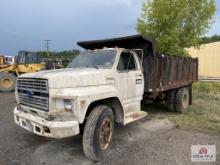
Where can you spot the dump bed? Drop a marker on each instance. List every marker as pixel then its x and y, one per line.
pixel 161 72
pixel 166 72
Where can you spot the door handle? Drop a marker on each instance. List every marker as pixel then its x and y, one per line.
pixel 138 81
pixel 138 75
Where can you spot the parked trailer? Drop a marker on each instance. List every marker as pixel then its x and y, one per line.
pixel 101 87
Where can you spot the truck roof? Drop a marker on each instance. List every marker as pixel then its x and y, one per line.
pixel 128 42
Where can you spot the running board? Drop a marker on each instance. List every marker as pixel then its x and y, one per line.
pixel 134 116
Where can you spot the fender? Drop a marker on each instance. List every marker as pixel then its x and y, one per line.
pixel 84 96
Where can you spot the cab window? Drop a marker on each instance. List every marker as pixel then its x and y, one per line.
pixel 126 62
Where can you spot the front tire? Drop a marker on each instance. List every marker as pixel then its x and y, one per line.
pixel 98 133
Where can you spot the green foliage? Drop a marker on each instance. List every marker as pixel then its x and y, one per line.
pixel 176 24
pixel 207 87
pixel 211 39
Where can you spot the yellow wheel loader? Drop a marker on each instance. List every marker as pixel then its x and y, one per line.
pixel 26 62
pixel 1 60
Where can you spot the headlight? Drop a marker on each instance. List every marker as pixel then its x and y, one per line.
pixel 68 105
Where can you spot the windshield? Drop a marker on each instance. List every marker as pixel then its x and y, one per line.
pixel 28 58
pixel 96 59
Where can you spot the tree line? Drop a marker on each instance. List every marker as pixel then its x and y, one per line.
pixel 211 39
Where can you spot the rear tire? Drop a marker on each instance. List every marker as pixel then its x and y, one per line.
pixel 182 100
pixel 98 133
pixel 170 100
pixel 7 82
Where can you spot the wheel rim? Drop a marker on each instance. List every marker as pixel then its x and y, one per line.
pixel 105 134
pixel 6 82
pixel 185 101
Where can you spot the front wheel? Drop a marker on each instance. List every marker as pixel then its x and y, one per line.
pixel 98 132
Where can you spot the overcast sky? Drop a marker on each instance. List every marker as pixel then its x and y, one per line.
pixel 24 24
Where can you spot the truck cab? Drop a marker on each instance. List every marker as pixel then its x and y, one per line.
pixel 90 77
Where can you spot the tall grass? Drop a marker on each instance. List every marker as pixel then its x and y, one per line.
pixel 210 87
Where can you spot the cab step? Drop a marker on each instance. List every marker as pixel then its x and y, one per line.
pixel 134 116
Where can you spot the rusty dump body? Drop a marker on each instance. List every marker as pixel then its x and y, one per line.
pixel 162 72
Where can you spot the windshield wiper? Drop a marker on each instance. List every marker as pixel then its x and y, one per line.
pixel 92 66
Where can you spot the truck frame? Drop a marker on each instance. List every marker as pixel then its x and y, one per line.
pixel 104 86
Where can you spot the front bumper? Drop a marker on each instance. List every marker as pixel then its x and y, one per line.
pixel 42 127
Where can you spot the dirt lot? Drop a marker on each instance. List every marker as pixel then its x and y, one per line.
pixel 148 141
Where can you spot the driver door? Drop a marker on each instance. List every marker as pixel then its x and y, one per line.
pixel 129 80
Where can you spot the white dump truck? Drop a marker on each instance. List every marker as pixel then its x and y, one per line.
pixel 101 87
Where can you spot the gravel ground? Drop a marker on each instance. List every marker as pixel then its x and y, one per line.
pixel 153 142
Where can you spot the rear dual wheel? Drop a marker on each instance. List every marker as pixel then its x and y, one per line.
pixel 7 82
pixel 182 100
pixel 178 100
pixel 170 100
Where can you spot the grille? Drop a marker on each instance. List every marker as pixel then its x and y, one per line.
pixel 34 101
pixel 36 85
pixel 33 93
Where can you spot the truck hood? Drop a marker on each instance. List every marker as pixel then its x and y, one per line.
pixel 70 78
